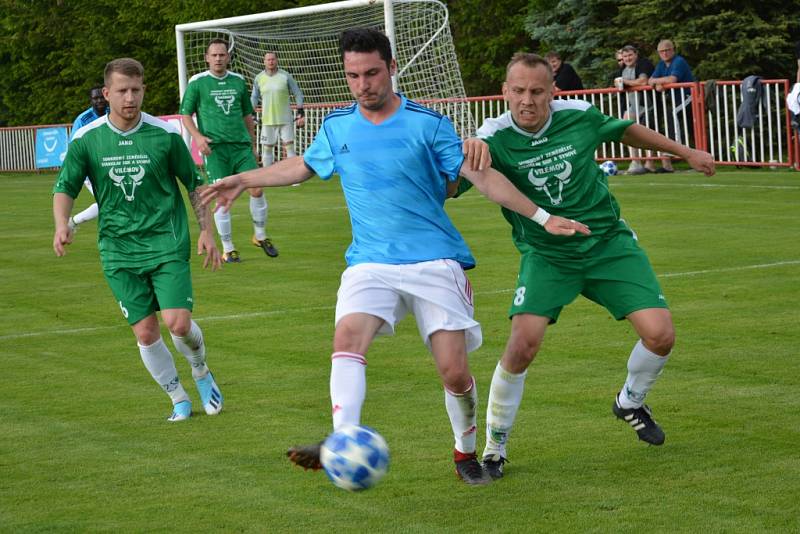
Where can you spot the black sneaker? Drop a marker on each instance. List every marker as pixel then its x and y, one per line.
pixel 306 456
pixel 641 419
pixel 265 245
pixel 470 470
pixel 493 464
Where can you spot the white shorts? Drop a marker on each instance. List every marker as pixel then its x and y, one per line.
pixel 436 292
pixel 269 134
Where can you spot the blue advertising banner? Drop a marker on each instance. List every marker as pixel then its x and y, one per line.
pixel 51 147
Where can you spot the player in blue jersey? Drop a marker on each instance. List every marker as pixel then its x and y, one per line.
pixel 97 109
pixel 395 160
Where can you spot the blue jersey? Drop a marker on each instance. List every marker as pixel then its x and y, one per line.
pixel 83 119
pixel 394 176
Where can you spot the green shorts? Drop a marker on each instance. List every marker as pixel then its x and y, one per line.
pixel 615 273
pixel 142 291
pixel 229 158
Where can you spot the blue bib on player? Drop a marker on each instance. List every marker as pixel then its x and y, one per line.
pixel 394 176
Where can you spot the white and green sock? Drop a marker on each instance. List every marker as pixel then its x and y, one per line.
pixel 222 219
pixel 505 396
pixel 258 210
pixel 194 348
pixel 86 215
pixel 158 361
pixel 644 367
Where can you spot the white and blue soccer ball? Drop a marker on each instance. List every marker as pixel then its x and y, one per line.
pixel 609 168
pixel 355 457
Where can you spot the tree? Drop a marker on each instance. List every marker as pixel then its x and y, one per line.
pixel 486 35
pixel 720 39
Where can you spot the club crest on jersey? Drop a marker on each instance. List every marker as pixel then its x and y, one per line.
pixel 127 178
pixel 555 189
pixel 225 102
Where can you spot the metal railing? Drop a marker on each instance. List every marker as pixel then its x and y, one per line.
pixel 700 115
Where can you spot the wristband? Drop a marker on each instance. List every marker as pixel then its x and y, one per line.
pixel 541 216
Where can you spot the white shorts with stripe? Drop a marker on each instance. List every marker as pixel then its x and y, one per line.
pixel 437 293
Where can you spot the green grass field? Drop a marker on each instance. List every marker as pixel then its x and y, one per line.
pixel 85 445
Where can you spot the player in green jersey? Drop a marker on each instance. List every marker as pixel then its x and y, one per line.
pixel 546 148
pixel 132 160
pixel 225 135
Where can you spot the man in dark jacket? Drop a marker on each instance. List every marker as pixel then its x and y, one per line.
pixel 634 72
pixel 565 77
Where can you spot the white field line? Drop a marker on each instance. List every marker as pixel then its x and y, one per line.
pixel 320 308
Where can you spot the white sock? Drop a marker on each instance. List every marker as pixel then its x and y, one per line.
pixel 461 408
pixel 258 210
pixel 290 150
pixel 643 370
pixel 192 346
pixel 86 215
pixel 505 396
pixel 348 387
pixel 266 156
pixel 158 360
pixel 222 219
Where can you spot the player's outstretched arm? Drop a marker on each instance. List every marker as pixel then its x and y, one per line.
pixel 286 172
pixel 206 244
pixel 639 136
pixel 62 207
pixel 497 188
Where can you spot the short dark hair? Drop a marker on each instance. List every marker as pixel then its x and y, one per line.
pixel 217 41
pixel 552 54
pixel 629 48
pixel 531 61
pixel 366 40
pixel 125 66
pixel 95 88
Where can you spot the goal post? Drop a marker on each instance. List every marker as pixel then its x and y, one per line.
pixel 306 40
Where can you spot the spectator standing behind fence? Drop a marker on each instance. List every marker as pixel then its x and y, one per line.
pixel 672 68
pixel 797 54
pixel 634 72
pixel 565 77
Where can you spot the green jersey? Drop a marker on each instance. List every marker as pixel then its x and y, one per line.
pixel 555 168
pixel 220 105
pixel 274 90
pixel 142 218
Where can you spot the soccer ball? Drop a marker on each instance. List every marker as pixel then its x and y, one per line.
pixel 609 168
pixel 355 457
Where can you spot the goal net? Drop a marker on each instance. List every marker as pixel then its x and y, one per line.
pixel 306 41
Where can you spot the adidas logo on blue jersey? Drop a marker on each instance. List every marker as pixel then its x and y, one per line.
pixel 344 149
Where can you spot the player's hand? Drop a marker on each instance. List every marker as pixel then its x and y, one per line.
pixel 560 226
pixel 61 238
pixel 476 154
pixel 203 144
pixel 224 191
pixel 300 121
pixel 701 161
pixel 206 245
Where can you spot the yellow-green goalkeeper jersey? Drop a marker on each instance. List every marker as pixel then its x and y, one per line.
pixel 273 91
pixel 142 220
pixel 220 105
pixel 555 168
